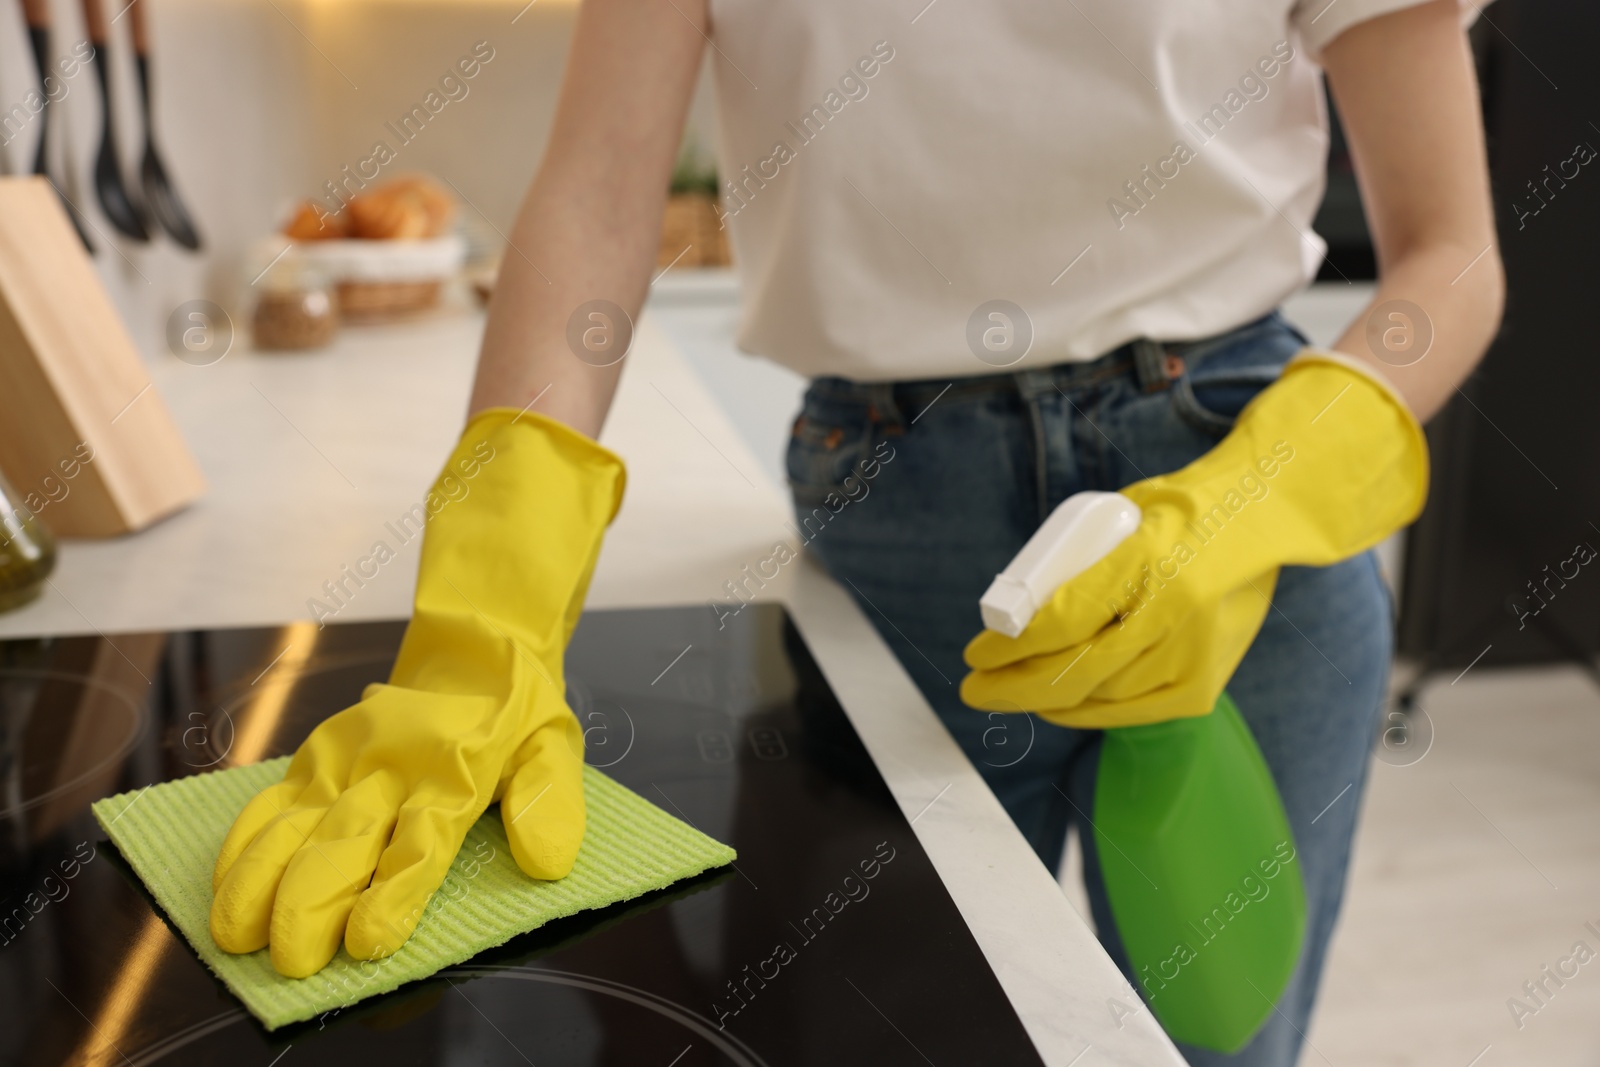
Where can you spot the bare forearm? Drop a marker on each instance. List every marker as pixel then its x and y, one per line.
pixel 1406 88
pixel 590 224
pixel 1434 314
pixel 565 252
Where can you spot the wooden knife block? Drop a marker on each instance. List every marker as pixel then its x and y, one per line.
pixel 70 377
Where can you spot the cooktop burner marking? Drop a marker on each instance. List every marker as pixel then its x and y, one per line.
pixel 726 1043
pixel 135 722
pixel 273 664
pixel 490 1021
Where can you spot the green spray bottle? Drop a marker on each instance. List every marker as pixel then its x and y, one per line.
pixel 1195 849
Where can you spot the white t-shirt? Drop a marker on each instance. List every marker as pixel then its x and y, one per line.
pixel 1105 169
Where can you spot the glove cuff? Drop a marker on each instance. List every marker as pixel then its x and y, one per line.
pixel 514 526
pixel 1359 366
pixel 580 448
pixel 1382 452
pixel 1365 375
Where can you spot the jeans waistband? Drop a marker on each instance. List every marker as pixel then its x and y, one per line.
pixel 1152 366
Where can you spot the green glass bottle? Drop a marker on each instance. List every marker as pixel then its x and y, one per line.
pixel 27 551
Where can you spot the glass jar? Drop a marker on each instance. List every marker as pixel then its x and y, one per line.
pixel 27 551
pixel 295 307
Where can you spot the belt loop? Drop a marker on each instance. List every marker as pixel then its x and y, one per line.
pixel 1155 366
pixel 882 407
pixel 1036 382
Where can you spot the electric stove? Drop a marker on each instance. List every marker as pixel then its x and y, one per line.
pixel 830 941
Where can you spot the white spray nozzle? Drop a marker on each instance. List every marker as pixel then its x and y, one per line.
pixel 1077 535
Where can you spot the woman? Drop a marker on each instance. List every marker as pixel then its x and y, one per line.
pixel 1036 248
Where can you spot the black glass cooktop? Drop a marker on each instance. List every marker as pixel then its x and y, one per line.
pixel 831 941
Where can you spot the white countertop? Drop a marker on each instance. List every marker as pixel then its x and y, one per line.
pixel 308 456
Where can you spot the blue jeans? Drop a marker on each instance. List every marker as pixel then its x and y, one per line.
pixel 915 494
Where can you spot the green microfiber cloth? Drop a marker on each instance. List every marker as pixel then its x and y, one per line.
pixel 170 834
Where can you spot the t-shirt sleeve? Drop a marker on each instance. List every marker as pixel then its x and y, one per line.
pixel 1320 21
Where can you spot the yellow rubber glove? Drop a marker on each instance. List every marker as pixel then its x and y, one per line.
pixel 361 831
pixel 1323 464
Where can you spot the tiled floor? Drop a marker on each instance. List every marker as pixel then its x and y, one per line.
pixel 1476 866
